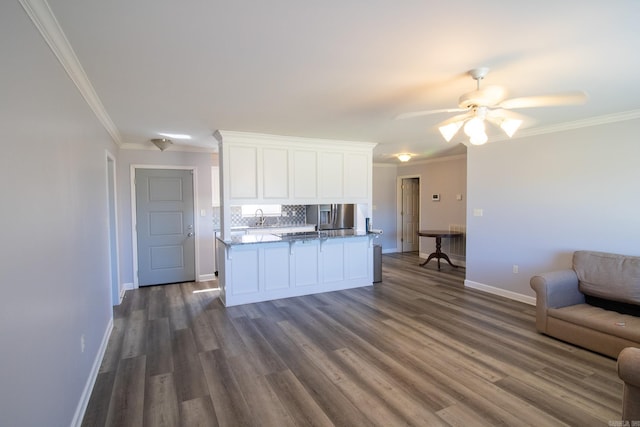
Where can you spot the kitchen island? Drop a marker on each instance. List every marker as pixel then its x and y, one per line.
pixel 262 267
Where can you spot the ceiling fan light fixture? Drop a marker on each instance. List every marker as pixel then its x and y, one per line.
pixel 478 139
pixel 489 104
pixel 450 130
pixel 474 127
pixel 404 157
pixel 162 143
pixel 510 126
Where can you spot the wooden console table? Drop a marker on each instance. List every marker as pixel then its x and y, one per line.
pixel 438 234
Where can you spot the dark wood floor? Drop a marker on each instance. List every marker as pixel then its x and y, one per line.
pixel 416 349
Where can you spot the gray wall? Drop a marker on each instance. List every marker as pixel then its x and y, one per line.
pixel 545 196
pixel 168 158
pixel 54 255
pixel 384 205
pixel 446 176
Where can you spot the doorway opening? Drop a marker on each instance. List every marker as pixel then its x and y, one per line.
pixel 408 213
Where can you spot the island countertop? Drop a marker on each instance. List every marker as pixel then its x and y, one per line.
pixel 251 239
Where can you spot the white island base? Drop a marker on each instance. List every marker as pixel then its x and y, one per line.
pixel 263 271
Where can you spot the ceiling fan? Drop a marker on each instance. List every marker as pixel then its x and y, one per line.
pixel 489 104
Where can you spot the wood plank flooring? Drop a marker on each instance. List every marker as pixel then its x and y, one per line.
pixel 417 349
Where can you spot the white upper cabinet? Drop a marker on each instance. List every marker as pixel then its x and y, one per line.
pixel 275 173
pixel 305 175
pixel 269 169
pixel 357 176
pixel 331 176
pixel 242 172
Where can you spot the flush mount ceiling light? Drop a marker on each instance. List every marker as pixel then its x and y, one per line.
pixel 404 157
pixel 489 105
pixel 162 143
pixel 175 135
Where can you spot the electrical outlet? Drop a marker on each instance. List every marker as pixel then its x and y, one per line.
pixel 516 269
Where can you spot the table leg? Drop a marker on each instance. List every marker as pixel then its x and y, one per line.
pixel 438 254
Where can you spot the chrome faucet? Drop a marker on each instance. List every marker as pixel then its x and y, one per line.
pixel 260 221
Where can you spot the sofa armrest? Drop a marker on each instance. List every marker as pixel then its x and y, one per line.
pixel 629 372
pixel 554 290
pixel 557 289
pixel 629 366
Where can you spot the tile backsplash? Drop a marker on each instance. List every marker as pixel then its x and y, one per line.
pixel 291 215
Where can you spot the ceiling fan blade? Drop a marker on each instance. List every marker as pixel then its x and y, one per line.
pixel 487 97
pixel 458 118
pixel 566 98
pixel 427 112
pixel 501 114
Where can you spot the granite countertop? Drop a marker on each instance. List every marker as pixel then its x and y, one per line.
pixel 249 239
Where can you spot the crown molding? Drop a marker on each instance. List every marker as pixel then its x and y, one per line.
pixel 576 124
pixel 583 123
pixel 223 136
pixel 438 159
pixel 43 18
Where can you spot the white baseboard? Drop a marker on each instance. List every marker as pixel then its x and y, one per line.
pixel 390 251
pixel 128 286
pixel 206 277
pixel 123 289
pixel 93 375
pixel 500 292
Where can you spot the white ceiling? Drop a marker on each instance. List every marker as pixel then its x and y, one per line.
pixel 344 69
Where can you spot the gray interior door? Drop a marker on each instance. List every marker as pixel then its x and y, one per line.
pixel 164 226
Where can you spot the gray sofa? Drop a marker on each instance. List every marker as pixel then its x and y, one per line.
pixel 629 372
pixel 595 305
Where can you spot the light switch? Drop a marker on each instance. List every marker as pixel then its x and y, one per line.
pixel 458 196
pixel 203 212
pixel 478 212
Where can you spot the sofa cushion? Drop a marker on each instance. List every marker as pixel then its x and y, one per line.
pixel 610 276
pixel 606 321
pixel 607 304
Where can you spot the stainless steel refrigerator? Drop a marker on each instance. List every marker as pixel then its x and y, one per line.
pixel 331 217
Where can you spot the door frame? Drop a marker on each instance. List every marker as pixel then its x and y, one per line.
pixel 134 234
pixel 399 207
pixel 117 290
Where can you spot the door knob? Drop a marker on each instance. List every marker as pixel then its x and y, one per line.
pixel 189 234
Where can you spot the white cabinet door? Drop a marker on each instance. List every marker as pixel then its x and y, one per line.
pixel 305 174
pixel 331 178
pixel 357 260
pixel 275 173
pixel 306 262
pixel 332 255
pixel 243 172
pixel 244 270
pixel 356 176
pixel 276 266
